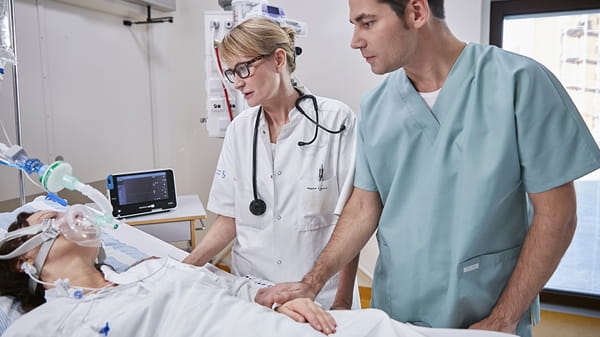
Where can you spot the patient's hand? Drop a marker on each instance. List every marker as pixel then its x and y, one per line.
pixel 283 292
pixel 304 310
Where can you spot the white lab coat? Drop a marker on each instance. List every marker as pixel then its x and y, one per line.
pixel 302 186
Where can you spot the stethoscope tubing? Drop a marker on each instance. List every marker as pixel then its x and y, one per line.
pixel 258 206
pixel 254 143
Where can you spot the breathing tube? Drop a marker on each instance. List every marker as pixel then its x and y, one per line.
pixel 58 175
pixel 55 177
pixel 80 224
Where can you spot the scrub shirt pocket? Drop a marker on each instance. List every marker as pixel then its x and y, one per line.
pixel 382 280
pixel 318 203
pixel 243 217
pixel 481 280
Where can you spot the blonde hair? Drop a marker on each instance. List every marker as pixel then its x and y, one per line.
pixel 259 36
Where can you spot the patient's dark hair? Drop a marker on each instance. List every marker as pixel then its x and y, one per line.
pixel 13 281
pixel 436 7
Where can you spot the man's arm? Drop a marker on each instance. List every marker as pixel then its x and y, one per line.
pixel 216 239
pixel 551 231
pixel 345 290
pixel 357 223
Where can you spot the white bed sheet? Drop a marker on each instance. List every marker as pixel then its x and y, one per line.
pixel 127 245
pixel 179 300
pixel 145 243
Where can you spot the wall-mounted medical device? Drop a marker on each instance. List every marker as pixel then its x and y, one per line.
pixel 244 10
pixel 223 101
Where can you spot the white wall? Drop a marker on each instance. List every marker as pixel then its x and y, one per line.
pixel 107 97
pixel 188 148
pixel 464 17
pixel 84 89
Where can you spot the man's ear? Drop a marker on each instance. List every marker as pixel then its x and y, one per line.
pixel 417 13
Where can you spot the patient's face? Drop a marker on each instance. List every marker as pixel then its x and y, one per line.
pixel 62 247
pixel 34 219
pixel 38 217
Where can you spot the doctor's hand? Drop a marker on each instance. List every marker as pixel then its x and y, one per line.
pixel 303 310
pixel 282 293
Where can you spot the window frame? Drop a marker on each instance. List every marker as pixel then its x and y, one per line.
pixel 502 8
pixel 499 9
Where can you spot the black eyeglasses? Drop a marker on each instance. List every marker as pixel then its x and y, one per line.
pixel 241 69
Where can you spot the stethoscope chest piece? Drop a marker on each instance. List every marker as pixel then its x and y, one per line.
pixel 258 207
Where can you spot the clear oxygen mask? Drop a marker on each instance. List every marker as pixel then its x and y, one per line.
pixel 78 225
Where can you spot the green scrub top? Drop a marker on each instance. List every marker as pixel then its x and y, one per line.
pixel 453 181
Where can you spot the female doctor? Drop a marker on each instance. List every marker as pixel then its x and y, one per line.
pixel 284 170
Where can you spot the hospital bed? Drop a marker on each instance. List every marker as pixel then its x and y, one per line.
pixel 127 245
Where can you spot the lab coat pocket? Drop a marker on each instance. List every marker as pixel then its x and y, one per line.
pixel 243 217
pixel 318 203
pixel 481 280
pixel 239 265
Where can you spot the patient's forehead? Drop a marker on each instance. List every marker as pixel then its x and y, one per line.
pixel 40 216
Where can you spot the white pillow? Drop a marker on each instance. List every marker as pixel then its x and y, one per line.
pixel 38 204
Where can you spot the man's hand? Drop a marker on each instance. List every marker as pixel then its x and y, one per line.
pixel 493 324
pixel 552 228
pixel 303 310
pixel 282 293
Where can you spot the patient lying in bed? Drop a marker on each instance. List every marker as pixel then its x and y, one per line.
pixel 162 297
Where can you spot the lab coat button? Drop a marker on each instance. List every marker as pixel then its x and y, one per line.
pixel 278 173
pixel 279 217
pixel 278 261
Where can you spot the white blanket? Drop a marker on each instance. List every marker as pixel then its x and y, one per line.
pixel 166 298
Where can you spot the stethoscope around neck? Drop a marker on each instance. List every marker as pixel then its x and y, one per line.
pixel 258 206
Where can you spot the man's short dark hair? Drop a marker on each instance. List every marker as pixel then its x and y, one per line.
pixel 436 6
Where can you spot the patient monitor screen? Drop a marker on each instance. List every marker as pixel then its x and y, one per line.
pixel 142 188
pixel 140 192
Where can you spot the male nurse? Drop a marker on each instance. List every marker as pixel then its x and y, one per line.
pixel 452 147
